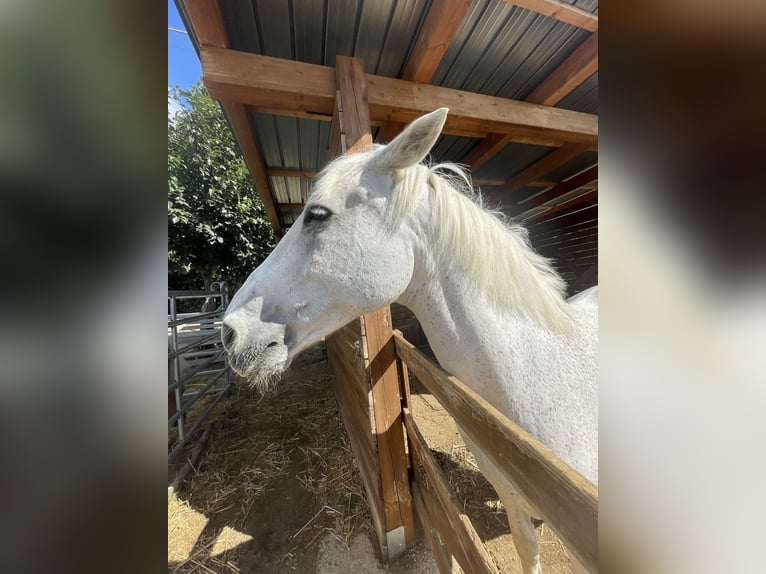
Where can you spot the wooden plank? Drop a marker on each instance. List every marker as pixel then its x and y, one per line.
pixel 564 498
pixel 387 407
pixel 389 130
pixel 207 21
pixel 560 11
pixel 296 86
pixel 454 527
pixel 573 71
pixel 565 186
pixel 540 168
pixel 442 557
pixel 351 381
pixel 404 101
pixel 354 135
pixel 439 28
pixel 487 181
pixel 353 94
pixel 336 144
pixel 578 67
pixel 239 120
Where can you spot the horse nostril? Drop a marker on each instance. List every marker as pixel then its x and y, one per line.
pixel 227 336
pixel 272 344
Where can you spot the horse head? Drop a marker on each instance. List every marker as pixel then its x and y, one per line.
pixel 341 258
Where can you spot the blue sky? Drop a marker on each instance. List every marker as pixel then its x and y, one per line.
pixel 183 65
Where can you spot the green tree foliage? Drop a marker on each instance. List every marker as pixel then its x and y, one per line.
pixel 217 225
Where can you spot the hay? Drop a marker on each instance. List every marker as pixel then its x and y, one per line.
pixel 259 438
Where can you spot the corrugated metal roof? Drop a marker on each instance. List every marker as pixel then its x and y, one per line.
pixel 499 50
pixel 584 98
pixel 506 51
pixel 315 31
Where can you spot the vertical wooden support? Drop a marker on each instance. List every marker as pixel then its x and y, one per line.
pixel 350 132
pixel 387 408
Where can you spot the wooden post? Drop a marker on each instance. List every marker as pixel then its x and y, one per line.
pixel 350 132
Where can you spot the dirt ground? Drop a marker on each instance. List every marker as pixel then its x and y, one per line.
pixel 277 489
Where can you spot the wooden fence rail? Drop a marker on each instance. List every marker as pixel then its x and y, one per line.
pixel 563 498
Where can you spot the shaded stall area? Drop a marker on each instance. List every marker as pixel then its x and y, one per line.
pixel 303 82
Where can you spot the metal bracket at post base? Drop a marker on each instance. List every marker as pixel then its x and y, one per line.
pixel 396 542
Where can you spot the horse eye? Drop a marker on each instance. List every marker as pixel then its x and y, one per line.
pixel 316 214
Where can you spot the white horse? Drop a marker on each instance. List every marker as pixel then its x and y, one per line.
pixel 381 227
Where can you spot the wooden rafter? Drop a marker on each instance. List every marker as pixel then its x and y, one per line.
pixel 575 182
pixel 206 20
pixel 578 67
pixel 541 167
pixel 292 87
pixel 560 11
pixel 439 28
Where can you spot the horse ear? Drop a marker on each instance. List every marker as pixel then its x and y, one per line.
pixel 414 143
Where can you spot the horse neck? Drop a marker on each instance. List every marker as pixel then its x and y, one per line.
pixel 483 344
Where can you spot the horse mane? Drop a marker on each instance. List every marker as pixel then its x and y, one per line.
pixel 470 239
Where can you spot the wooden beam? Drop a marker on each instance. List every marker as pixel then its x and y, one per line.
pixel 353 94
pixel 281 206
pixel 572 72
pixel 560 11
pixel 294 87
pixel 207 22
pixel 389 131
pixel 243 130
pixel 565 186
pixel 439 28
pixel 453 526
pixel 387 407
pixel 542 167
pixel 350 132
pixel 430 526
pixel 564 498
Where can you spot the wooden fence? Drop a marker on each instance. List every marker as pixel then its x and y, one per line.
pixel 564 499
